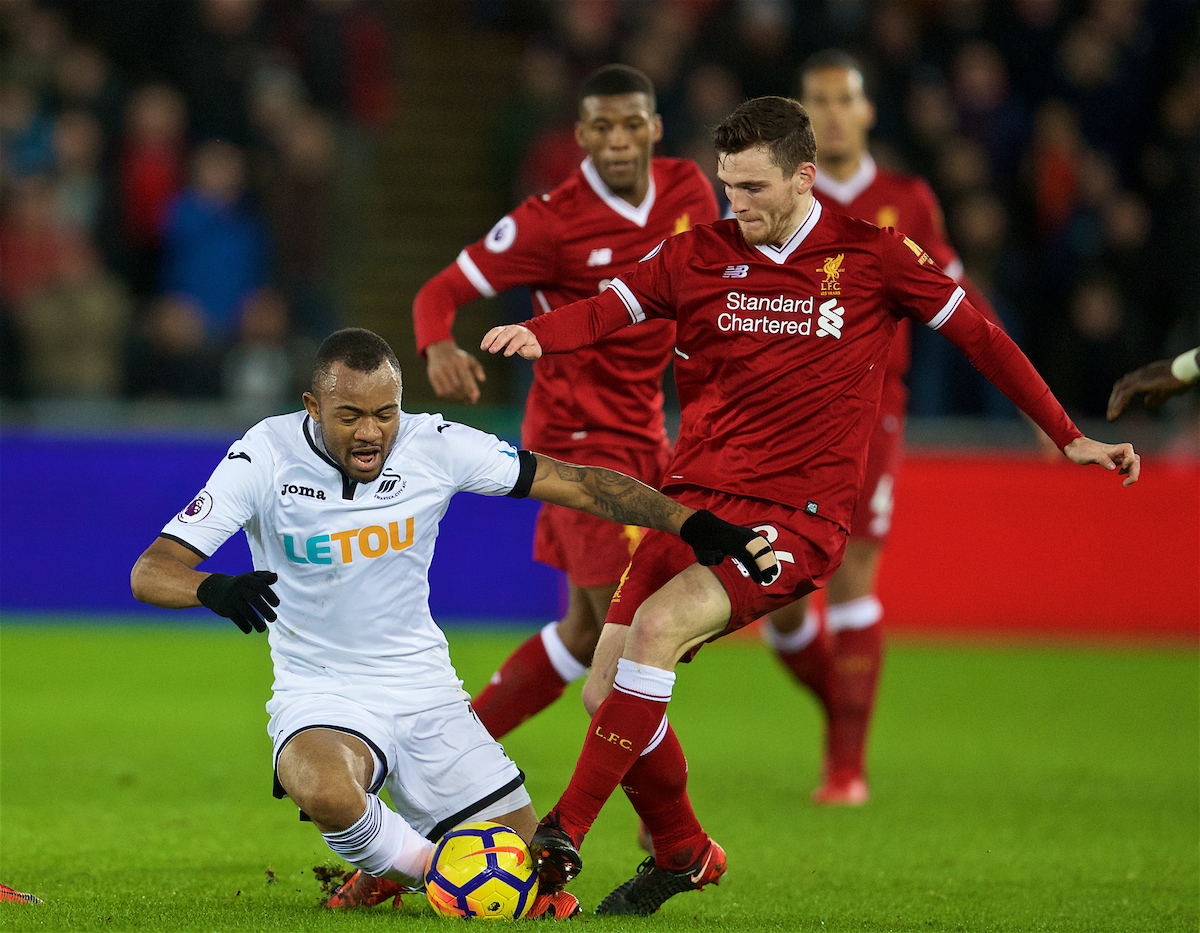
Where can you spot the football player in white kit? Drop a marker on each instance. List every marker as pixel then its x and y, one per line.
pixel 341 504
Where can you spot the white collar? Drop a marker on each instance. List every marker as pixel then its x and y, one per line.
pixel 639 215
pixel 846 191
pixel 780 254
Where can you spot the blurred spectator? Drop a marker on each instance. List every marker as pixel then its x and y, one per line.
pixel 85 80
pixel 1054 165
pixel 152 171
pixel 963 168
pixel 712 92
pixel 39 36
pixel 895 48
pixel 31 240
pixel 171 356
pixel 277 97
pixel 26 133
pixel 78 184
pixel 216 58
pixel 73 330
pixel 342 47
pixel 765 60
pixel 544 102
pixel 268 369
pixel 1027 40
pixel 657 47
pixel 587 30
pixel 1093 81
pixel 988 113
pixel 1100 342
pixel 931 121
pixel 301 201
pixel 214 243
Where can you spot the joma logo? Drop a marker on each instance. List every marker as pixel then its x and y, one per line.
pixel 291 489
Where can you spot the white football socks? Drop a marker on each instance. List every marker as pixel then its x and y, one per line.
pixel 856 614
pixel 644 680
pixel 564 663
pixel 791 642
pixel 381 843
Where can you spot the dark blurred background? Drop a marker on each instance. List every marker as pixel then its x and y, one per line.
pixel 193 193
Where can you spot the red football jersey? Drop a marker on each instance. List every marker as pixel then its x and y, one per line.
pixel 906 202
pixel 567 245
pixel 780 352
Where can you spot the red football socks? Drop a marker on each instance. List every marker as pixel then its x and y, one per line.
pixel 807 654
pixel 525 684
pixel 656 785
pixel 623 726
pixel 853 677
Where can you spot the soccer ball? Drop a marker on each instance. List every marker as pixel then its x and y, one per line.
pixel 481 870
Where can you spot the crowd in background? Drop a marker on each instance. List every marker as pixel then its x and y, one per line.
pixel 171 170
pixel 1062 138
pixel 170 178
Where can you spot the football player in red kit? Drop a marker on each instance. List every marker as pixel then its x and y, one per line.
pixel 784 320
pixel 840 661
pixel 601 405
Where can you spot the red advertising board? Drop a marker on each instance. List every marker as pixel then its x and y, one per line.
pixel 992 542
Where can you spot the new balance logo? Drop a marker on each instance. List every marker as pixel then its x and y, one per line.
pixel 600 257
pixel 830 322
pixel 736 272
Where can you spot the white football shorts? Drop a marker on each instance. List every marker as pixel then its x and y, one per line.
pixel 440 765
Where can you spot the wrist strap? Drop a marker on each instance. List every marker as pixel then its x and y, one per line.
pixel 1184 367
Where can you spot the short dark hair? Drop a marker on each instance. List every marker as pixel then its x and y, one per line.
pixel 610 80
pixel 779 123
pixel 827 59
pixel 355 348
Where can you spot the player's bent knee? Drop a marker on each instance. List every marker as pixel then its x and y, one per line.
pixel 594 692
pixel 332 808
pixel 655 632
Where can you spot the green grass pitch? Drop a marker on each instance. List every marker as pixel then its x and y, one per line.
pixel 1014 789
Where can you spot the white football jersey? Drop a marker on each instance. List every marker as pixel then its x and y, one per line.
pixel 353 559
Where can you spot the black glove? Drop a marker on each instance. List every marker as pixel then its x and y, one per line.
pixel 713 539
pixel 242 598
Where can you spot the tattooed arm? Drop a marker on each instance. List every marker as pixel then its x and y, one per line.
pixel 622 499
pixel 606 494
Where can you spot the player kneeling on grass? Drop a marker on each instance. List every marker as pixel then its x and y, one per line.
pixel 341 504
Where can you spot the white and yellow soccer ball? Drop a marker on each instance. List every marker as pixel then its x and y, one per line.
pixel 481 870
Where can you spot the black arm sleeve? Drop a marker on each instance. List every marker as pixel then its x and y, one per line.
pixel 525 480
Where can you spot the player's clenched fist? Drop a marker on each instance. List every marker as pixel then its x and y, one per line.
pixel 713 539
pixel 243 598
pixel 454 373
pixel 512 338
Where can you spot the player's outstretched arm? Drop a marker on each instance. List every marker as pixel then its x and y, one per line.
pixel 1084 450
pixel 616 497
pixel 1158 381
pixel 453 372
pixel 512 338
pixel 165 576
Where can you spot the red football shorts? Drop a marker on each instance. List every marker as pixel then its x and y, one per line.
pixel 592 551
pixel 808 548
pixel 872 517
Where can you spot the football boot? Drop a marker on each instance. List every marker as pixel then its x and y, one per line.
pixel 561 906
pixel 845 789
pixel 363 890
pixel 555 853
pixel 12 894
pixel 652 886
